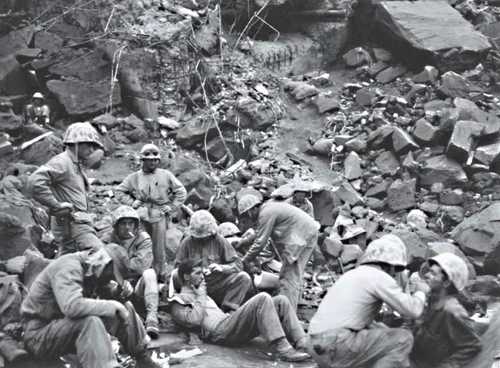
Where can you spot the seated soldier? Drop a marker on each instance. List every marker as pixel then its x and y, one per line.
pixel 273 318
pixel 61 314
pixel 227 283
pixel 139 266
pixel 446 335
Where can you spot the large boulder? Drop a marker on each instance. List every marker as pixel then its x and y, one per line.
pixel 13 79
pixel 16 215
pixel 416 30
pixel 255 115
pixel 41 151
pixel 440 169
pixel 83 98
pixel 478 234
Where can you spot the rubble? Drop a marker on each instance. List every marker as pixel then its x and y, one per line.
pixel 425 132
pixel 352 166
pixel 440 169
pixel 401 194
pixel 460 144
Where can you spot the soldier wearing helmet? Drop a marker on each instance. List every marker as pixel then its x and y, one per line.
pixel 299 200
pixel 446 336
pixel 141 280
pixel 62 185
pixel 343 333
pixel 156 194
pixel 37 112
pixel 292 230
pixel 227 283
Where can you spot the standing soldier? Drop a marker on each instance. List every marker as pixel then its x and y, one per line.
pixel 294 233
pixel 150 191
pixel 62 186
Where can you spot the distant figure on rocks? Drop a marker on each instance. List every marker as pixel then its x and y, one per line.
pixel 343 333
pixel 37 112
pixel 62 315
pixel 273 318
pixel 227 283
pixel 299 200
pixel 156 194
pixel 140 278
pixel 294 233
pixel 62 186
pixel 445 336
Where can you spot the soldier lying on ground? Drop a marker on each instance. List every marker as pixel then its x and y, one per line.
pixel 272 318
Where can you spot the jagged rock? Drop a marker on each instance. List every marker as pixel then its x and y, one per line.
pixel 16 216
pixel 379 190
pixel 365 97
pixel 451 197
pixel 255 115
pixel 461 140
pixel 356 144
pixel 193 133
pixel 13 79
pixel 478 234
pixel 387 163
pixel 48 42
pixel 418 32
pixel 144 107
pixel 402 142
pixel 468 110
pixel 429 207
pixel 416 241
pixel 377 68
pixel 381 137
pixel 9 121
pixel 356 57
pixel 454 85
pixel 239 150
pixel 401 194
pixel 390 74
pixel 325 103
pixel 486 285
pixel 347 194
pixel 352 166
pixel 323 146
pixel 41 151
pixel 425 133
pixel 440 169
pixel 452 215
pixel 382 54
pixel 341 139
pixel 303 90
pixel 199 197
pixel 428 75
pixel 79 98
pixel 15 40
pixel 488 155
pixel 108 120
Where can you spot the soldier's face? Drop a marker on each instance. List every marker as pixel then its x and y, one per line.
pixel 86 149
pixel 126 228
pixel 150 165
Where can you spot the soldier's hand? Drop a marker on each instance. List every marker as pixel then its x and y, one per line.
pixel 418 284
pixel 127 290
pixel 166 209
pixel 215 267
pixel 120 310
pixel 137 203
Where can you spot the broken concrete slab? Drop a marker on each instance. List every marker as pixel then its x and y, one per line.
pixel 478 234
pixel 352 166
pixel 425 133
pixel 80 98
pixel 441 169
pixel 325 103
pixel 402 142
pixel 417 29
pixel 401 194
pixel 390 74
pixel 461 141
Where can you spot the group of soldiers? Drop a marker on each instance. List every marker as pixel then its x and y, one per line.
pixel 94 286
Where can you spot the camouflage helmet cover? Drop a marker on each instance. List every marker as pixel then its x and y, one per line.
pixel 202 224
pixel 388 249
pixel 247 202
pixel 228 229
pixel 454 267
pixel 82 133
pixel 123 212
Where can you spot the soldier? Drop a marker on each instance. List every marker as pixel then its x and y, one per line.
pixel 62 186
pixel 37 112
pixel 156 194
pixel 140 277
